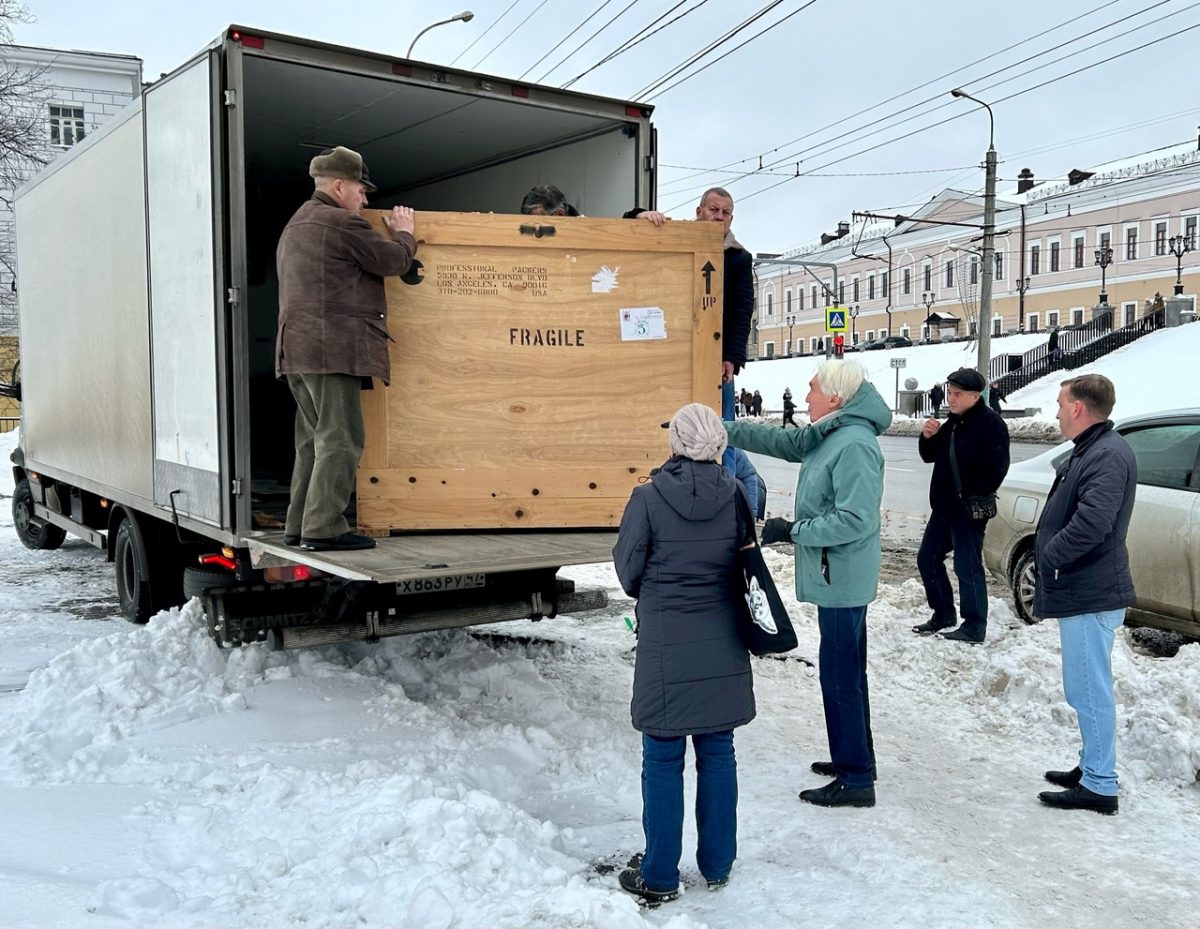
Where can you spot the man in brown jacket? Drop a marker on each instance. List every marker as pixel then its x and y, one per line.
pixel 332 334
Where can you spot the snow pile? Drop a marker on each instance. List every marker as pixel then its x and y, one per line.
pixel 74 716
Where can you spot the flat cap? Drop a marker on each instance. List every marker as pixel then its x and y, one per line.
pixel 967 379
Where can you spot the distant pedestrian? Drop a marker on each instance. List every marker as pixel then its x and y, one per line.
pixel 758 401
pixel 996 397
pixel 1053 352
pixel 936 396
pixel 1083 580
pixel 789 409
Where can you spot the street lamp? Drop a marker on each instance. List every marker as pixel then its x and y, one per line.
pixel 791 321
pixel 466 16
pixel 1103 259
pixel 1180 246
pixel 1022 287
pixel 989 239
pixel 854 324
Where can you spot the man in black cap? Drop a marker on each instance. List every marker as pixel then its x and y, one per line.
pixel 332 335
pixel 969 452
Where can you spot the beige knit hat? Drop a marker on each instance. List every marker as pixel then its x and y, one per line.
pixel 696 432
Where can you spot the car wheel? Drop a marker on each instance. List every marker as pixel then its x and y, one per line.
pixel 38 537
pixel 1024 577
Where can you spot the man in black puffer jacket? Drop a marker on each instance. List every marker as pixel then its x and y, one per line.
pixel 980 445
pixel 1083 579
pixel 677 553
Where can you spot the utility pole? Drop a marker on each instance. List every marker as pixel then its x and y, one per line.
pixel 984 358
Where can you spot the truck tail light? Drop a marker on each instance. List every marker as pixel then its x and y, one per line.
pixel 250 41
pixel 287 574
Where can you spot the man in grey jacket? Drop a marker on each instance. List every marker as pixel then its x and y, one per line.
pixel 332 334
pixel 1083 579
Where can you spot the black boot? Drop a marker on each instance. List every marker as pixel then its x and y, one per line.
pixel 835 793
pixel 827 769
pixel 1079 798
pixel 933 625
pixel 631 882
pixel 1065 778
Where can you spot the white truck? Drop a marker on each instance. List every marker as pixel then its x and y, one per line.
pixel 152 423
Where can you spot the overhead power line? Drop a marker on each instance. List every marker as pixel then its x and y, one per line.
pixel 865 132
pixel 494 24
pixel 774 25
pixel 559 44
pixel 937 80
pixel 708 49
pixel 586 41
pixel 525 22
pixel 638 37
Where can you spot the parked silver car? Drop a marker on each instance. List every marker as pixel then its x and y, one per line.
pixel 1164 534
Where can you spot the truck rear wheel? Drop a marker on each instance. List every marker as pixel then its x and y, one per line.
pixel 197 580
pixel 38 537
pixel 132 562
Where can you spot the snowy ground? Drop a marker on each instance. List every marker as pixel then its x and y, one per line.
pixel 468 779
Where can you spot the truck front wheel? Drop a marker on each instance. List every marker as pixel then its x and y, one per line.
pixel 42 536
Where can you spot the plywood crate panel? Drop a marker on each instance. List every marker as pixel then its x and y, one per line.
pixel 515 399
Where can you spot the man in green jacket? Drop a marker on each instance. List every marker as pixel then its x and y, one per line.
pixel 836 534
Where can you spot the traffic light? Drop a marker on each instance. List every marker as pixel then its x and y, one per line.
pixel 839 345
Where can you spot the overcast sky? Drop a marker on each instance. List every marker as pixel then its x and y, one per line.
pixel 776 96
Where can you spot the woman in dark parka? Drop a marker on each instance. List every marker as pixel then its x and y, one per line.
pixel 677 553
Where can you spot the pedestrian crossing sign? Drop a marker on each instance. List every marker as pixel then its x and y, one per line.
pixel 835 319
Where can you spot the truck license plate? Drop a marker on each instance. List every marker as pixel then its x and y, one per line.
pixel 429 585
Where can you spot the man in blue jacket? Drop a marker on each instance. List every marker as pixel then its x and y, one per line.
pixel 1083 580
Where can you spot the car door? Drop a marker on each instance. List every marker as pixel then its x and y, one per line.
pixel 1164 539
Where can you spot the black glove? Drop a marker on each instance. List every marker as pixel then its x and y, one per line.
pixel 777 529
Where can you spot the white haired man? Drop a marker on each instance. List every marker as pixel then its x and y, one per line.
pixel 836 534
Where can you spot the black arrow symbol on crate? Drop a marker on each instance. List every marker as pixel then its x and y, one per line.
pixel 707 271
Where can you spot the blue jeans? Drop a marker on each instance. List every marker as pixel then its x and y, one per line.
pixel 1087 641
pixel 728 412
pixel 662 807
pixel 843 664
pixel 965 537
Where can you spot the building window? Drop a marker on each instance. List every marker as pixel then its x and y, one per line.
pixel 870 334
pixel 1131 244
pixel 949 273
pixel 1031 322
pixel 870 286
pixel 999 266
pixel 929 277
pixel 1189 232
pixel 854 289
pixel 973 329
pixel 1053 257
pixel 814 296
pixel 787 347
pixel 770 349
pixel 1035 259
pixel 842 292
pixel 908 280
pixel 1077 317
pixel 828 294
pixel 1052 319
pixel 812 344
pixel 997 322
pixel 800 298
pixel 66 125
pixel 1106 240
pixel 1160 238
pixel 904 331
pixel 1129 314
pixel 770 303
pixel 925 333
pixel 883 284
pixel 1077 262
pixel 974 270
pixel 787 299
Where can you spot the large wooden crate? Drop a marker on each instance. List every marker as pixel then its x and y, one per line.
pixel 527 389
